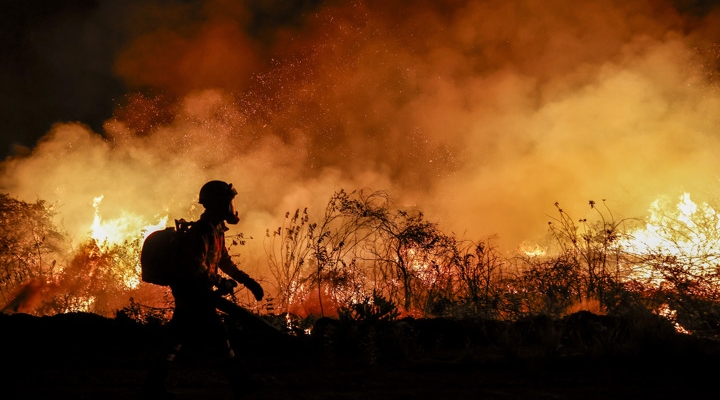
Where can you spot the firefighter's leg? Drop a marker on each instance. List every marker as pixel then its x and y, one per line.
pixel 155 385
pixel 236 375
pixel 239 378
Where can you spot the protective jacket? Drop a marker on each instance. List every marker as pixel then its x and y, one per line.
pixel 204 254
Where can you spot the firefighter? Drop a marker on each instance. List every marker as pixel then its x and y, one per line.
pixel 196 290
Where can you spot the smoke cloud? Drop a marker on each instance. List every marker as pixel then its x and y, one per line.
pixel 482 114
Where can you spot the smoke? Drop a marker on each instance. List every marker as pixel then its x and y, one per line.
pixel 482 114
pixel 26 299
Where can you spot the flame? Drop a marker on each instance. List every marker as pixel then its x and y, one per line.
pixel 533 249
pixel 80 304
pixel 683 230
pixel 117 231
pixel 688 232
pixel 148 229
pixel 671 315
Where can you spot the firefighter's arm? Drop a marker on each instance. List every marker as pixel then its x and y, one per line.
pixel 229 267
pixel 226 286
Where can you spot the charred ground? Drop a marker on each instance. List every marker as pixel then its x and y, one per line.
pixel 86 356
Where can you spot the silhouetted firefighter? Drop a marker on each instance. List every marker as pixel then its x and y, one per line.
pixel 197 288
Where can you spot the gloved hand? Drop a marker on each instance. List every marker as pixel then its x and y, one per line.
pixel 255 288
pixel 226 286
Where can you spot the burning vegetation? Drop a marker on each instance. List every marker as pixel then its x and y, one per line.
pixel 363 258
pixel 459 116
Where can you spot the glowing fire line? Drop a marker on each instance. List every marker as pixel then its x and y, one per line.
pixel 689 233
pixel 117 231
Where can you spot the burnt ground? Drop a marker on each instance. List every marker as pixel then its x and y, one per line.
pixel 85 356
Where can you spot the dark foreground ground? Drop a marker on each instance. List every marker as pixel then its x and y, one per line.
pixel 84 356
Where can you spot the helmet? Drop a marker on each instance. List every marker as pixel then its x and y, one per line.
pixel 217 196
pixel 214 191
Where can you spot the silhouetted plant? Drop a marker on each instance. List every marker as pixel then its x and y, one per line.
pixel 145 314
pixel 592 248
pixel 412 259
pixel 359 247
pixel 370 309
pixel 554 285
pixel 337 246
pixel 287 259
pixel 479 271
pixel 319 257
pixel 30 247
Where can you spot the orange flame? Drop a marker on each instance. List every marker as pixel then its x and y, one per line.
pixel 687 231
pixel 117 231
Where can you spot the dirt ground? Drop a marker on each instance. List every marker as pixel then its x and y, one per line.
pixel 87 357
pixel 120 379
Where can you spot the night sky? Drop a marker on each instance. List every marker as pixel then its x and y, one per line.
pixel 57 58
pixel 56 65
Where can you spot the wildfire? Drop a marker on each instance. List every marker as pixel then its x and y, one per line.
pixel 687 233
pixel 688 229
pixel 117 231
pixel 80 305
pixel 671 315
pixel 533 250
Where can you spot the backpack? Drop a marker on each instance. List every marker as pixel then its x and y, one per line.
pixel 160 253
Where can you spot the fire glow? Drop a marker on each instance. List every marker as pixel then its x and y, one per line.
pixel 470 111
pixel 686 232
pixel 119 230
pixel 688 229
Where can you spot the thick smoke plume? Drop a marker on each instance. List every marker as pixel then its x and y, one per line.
pixel 482 114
